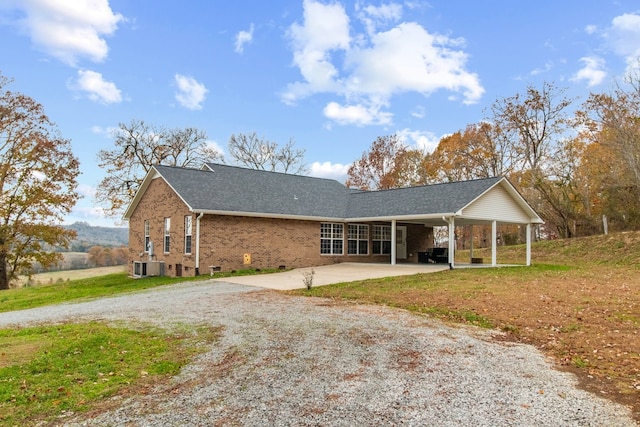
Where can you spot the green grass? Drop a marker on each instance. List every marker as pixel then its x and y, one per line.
pixel 102 286
pixel 47 371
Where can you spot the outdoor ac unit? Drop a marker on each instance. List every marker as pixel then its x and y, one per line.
pixel 155 268
pixel 148 268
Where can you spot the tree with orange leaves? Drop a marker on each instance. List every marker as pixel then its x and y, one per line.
pixel 38 175
pixel 389 163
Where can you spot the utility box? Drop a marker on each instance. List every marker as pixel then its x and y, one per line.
pixel 246 259
pixel 148 268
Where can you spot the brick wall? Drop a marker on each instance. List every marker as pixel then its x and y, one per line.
pixel 157 203
pixel 225 240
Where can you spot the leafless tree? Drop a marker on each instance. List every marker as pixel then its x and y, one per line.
pixel 137 147
pixel 255 152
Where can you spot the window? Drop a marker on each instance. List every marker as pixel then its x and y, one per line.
pixel 381 239
pixel 331 239
pixel 357 239
pixel 167 236
pixel 187 234
pixel 147 239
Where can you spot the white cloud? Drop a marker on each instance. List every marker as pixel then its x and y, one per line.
pixel 367 70
pixel 92 214
pixel 86 191
pixel 213 146
pixel 329 170
pixel 591 29
pixel 593 71
pixel 421 140
pixel 547 67
pixel 243 38
pixel 96 88
pixel 69 30
pixel 108 132
pixel 624 36
pixel 325 29
pixel 359 114
pixel 419 112
pixel 191 93
pixel 409 59
pixel 374 16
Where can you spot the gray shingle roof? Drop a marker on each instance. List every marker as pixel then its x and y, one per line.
pixel 424 200
pixel 233 189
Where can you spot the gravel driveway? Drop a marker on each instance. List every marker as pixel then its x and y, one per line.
pixel 294 361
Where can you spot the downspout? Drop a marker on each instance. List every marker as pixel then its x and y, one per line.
pixel 198 243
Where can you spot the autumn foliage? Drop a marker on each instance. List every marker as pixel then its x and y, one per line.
pixel 38 174
pixel 577 165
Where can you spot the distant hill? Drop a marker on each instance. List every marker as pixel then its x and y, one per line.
pixel 89 235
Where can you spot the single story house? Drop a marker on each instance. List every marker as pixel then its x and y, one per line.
pixel 185 222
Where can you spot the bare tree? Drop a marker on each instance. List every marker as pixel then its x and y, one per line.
pixel 532 123
pixel 255 152
pixel 138 146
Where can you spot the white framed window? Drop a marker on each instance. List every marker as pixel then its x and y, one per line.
pixel 147 238
pixel 188 232
pixel 381 239
pixel 331 239
pixel 167 235
pixel 357 239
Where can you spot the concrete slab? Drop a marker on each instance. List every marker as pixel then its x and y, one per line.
pixel 329 274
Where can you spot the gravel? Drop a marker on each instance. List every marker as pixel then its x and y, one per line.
pixel 295 361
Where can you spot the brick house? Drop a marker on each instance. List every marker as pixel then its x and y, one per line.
pixel 184 222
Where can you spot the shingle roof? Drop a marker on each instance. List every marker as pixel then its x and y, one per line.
pixel 222 188
pixel 425 200
pixel 234 189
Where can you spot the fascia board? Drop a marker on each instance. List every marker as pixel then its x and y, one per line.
pixel 266 215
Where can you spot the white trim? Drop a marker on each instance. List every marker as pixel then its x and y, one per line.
pixel 198 218
pixel 528 239
pixel 452 241
pixel 393 242
pixel 494 244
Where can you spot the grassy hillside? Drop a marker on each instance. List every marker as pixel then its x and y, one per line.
pixel 622 249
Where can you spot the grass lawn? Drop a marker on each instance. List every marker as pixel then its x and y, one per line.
pixel 50 372
pixel 93 287
pixel 580 305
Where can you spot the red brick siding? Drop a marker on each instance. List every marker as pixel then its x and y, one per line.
pixel 157 203
pixel 224 240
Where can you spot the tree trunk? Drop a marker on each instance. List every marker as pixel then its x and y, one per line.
pixel 4 279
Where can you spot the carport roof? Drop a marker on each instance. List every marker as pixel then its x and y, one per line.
pixel 230 190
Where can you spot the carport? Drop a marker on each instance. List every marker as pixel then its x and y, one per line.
pixel 486 202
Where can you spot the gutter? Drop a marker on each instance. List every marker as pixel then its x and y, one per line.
pixel 198 242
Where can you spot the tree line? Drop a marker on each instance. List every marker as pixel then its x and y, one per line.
pixel 578 165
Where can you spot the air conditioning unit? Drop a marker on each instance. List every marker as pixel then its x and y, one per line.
pixel 155 268
pixel 148 268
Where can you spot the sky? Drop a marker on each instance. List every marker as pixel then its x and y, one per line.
pixel 331 75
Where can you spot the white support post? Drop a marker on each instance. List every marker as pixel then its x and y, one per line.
pixel 452 241
pixel 528 244
pixel 494 243
pixel 471 244
pixel 394 250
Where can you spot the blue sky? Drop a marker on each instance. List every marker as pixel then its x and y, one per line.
pixel 331 75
